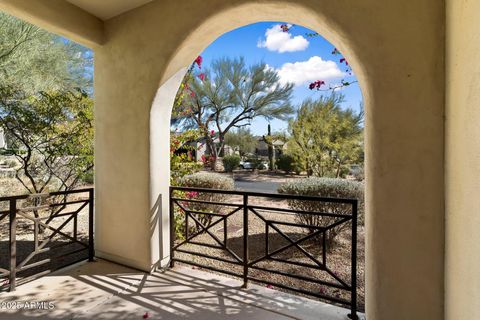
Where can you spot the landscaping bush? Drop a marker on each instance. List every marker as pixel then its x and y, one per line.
pixel 324 187
pixel 231 162
pixel 285 162
pixel 208 180
pixel 88 177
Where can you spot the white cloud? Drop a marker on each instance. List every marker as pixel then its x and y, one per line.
pixel 302 72
pixel 277 40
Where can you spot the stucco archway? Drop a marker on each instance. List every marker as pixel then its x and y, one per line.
pixel 147 48
pixel 160 113
pixel 199 39
pixel 400 49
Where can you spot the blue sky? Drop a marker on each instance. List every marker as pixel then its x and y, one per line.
pixel 297 57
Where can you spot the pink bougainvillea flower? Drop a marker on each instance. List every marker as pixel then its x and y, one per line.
pixel 316 84
pixel 202 76
pixel 344 60
pixel 212 132
pixel 145 316
pixel 198 61
pixel 191 194
pixel 284 27
pixel 192 94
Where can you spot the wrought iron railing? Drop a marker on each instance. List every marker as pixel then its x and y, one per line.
pixel 46 232
pixel 196 214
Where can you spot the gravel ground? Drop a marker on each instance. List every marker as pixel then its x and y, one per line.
pixel 338 258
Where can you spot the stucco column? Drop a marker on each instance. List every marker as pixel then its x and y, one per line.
pixel 462 268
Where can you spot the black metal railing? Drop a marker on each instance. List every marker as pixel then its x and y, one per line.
pixel 196 212
pixel 38 241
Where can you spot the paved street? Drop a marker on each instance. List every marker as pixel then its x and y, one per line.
pixel 257 186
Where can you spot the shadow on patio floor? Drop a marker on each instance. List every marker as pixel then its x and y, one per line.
pixel 104 290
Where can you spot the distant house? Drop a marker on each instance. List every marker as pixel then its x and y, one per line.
pixel 200 149
pixel 262 147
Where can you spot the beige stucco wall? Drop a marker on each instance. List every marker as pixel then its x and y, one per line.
pixel 397 51
pixel 462 278
pixel 386 42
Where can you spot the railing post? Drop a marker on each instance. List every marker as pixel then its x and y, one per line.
pixel 172 227
pixel 91 243
pixel 267 249
pixel 225 234
pixel 13 244
pixel 245 240
pixel 353 306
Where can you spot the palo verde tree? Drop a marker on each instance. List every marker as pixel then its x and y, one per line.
pixel 34 60
pixel 230 95
pixel 325 139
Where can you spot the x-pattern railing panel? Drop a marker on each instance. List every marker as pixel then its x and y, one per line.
pixel 52 226
pixel 271 225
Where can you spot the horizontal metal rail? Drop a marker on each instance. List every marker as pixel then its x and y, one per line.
pixel 187 206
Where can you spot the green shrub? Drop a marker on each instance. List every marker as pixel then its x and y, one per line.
pixel 285 162
pixel 231 162
pixel 324 187
pixel 87 177
pixel 209 180
pixel 257 162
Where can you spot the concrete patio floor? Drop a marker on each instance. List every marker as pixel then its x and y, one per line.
pixel 104 290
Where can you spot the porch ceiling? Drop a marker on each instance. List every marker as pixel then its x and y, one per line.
pixel 107 9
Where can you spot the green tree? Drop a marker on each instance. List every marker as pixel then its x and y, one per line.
pixel 241 140
pixel 35 60
pixel 51 135
pixel 228 96
pixel 325 139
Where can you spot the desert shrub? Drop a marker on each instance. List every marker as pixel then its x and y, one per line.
pixel 324 187
pixel 209 180
pixel 285 162
pixel 231 162
pixel 358 173
pixel 87 177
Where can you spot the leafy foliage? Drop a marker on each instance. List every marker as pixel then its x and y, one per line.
pixel 182 162
pixel 324 187
pixel 285 162
pixel 35 60
pixel 325 139
pixel 231 162
pixel 51 135
pixel 242 140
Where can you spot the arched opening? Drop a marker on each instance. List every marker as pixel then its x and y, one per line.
pixel 159 129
